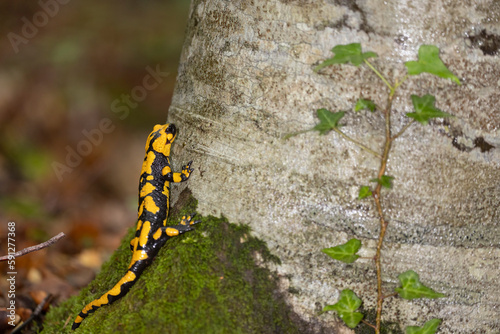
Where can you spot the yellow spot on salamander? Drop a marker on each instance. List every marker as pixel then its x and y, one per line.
pixel 158 127
pixel 157 234
pixel 150 177
pixel 151 135
pixel 166 191
pixel 166 170
pixel 148 162
pixel 129 277
pixel 150 205
pixel 139 225
pixel 133 243
pixel 160 144
pixel 143 238
pixel 147 189
pixel 141 208
pixel 137 256
pixel 172 232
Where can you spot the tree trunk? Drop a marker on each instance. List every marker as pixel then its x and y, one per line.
pixel 246 79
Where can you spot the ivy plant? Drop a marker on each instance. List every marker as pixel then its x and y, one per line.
pixel 424 110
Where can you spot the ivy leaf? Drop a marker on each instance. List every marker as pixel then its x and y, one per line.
pixel 345 307
pixel 429 62
pixel 365 104
pixel 364 192
pixel 385 181
pixel 430 327
pixel 425 109
pixel 345 252
pixel 328 120
pixel 349 53
pixel 411 288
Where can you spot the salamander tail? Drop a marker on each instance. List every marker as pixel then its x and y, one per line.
pixel 118 291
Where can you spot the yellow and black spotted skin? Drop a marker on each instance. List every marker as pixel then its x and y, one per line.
pixel 154 198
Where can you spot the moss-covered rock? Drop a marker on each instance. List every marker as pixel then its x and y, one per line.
pixel 206 281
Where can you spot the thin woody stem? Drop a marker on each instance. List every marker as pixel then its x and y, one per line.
pixel 34 248
pixel 379 75
pixel 368 324
pixel 403 130
pixel 391 295
pixel 357 143
pixel 290 135
pixel 383 222
pixel 398 83
pixel 35 314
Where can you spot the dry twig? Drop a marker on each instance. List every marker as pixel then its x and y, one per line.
pixel 35 313
pixel 34 248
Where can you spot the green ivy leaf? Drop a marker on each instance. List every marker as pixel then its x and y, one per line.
pixel 328 120
pixel 365 104
pixel 385 181
pixel 364 192
pixel 429 62
pixel 349 53
pixel 345 307
pixel 411 288
pixel 425 109
pixel 345 252
pixel 430 327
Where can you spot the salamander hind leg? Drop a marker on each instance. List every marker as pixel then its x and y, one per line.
pixel 188 220
pixel 185 225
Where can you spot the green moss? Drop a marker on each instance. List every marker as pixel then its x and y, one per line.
pixel 203 282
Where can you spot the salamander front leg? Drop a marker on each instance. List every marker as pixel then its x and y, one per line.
pixel 179 177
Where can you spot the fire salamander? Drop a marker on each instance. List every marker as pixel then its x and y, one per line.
pixel 152 232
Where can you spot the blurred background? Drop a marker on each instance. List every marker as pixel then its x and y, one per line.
pixel 81 86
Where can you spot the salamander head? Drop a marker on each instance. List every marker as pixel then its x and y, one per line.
pixel 161 138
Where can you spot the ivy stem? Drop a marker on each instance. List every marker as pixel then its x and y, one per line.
pixel 368 324
pixel 391 295
pixel 403 130
pixel 377 199
pixel 290 135
pixel 357 143
pixel 398 83
pixel 380 76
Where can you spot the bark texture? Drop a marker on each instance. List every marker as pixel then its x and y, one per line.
pixel 246 79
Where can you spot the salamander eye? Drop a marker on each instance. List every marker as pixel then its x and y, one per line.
pixel 171 129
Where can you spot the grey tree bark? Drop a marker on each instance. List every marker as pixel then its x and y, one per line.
pixel 246 78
